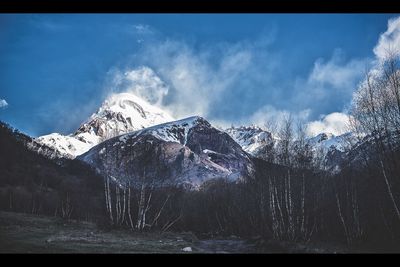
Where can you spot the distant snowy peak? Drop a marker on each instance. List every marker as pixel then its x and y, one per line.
pixel 328 141
pixel 260 143
pixel 119 114
pixel 252 139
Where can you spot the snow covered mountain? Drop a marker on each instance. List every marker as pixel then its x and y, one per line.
pixel 259 143
pixel 327 141
pixel 188 151
pixel 120 113
pixel 253 139
pixel 333 150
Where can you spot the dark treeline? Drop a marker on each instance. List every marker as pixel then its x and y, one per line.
pixel 350 208
pixel 296 205
pixel 31 183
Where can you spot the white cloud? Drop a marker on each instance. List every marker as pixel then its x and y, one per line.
pixel 142 82
pixel 336 73
pixel 335 123
pixel 268 114
pixel 330 83
pixel 189 81
pixel 143 29
pixel 3 103
pixel 389 40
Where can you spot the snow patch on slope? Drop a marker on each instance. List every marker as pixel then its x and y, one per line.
pixel 327 141
pixel 68 146
pixel 175 131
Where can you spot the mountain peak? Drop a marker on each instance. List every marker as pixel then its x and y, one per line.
pixel 120 113
pixel 131 106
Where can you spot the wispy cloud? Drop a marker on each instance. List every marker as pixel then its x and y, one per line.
pixel 143 29
pixel 336 72
pixel 330 83
pixel 194 79
pixel 271 118
pixel 48 24
pixel 3 104
pixel 142 32
pixel 336 123
pixel 142 81
pixel 389 40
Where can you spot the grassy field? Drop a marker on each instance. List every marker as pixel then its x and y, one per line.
pixel 25 233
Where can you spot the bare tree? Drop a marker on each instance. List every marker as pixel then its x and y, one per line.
pixel 66 207
pixel 376 111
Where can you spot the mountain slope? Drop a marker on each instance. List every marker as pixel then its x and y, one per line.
pixel 188 151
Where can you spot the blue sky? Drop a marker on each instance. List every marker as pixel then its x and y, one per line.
pixel 55 70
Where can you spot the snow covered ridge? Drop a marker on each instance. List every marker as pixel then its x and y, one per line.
pixel 175 131
pixel 259 143
pixel 251 138
pixel 328 141
pixel 67 146
pixel 119 114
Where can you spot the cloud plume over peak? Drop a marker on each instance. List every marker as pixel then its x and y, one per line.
pixel 141 81
pixel 183 80
pixel 336 123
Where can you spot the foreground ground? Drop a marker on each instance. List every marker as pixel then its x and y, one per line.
pixel 26 233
